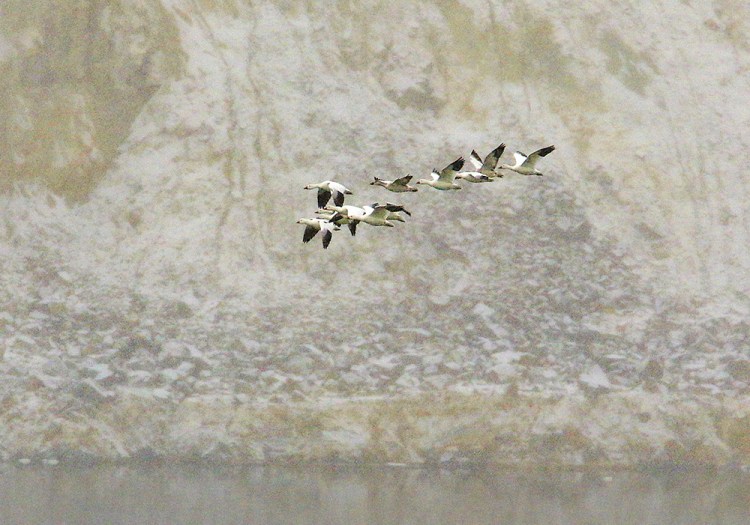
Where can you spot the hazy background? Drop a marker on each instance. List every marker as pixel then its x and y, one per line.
pixel 156 298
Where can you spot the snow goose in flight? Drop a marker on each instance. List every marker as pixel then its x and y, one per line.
pixel 340 220
pixel 525 163
pixel 346 215
pixel 443 180
pixel 374 216
pixel 399 185
pixel 473 176
pixel 328 188
pixel 488 166
pixel 313 226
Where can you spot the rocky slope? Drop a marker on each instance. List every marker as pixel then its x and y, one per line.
pixel 156 297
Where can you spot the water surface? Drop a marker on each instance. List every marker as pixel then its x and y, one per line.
pixel 189 494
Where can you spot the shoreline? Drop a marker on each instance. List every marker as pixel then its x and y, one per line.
pixel 626 429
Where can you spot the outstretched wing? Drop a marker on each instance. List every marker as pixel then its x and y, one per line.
pixel 449 172
pixel 520 158
pixel 475 160
pixel 403 181
pixel 323 197
pixel 397 207
pixel 380 212
pixel 490 161
pixel 327 236
pixel 531 160
pixel 338 198
pixel 353 227
pixel 337 217
pixel 310 232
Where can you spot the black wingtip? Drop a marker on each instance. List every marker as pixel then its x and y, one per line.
pixel 546 151
pixel 309 233
pixel 457 164
pixel 323 197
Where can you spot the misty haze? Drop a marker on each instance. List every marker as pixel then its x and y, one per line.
pixel 158 306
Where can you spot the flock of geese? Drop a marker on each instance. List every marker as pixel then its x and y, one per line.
pixel 330 217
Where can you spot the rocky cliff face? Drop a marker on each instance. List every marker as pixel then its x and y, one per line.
pixel 156 151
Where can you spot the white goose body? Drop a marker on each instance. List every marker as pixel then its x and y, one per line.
pixel 443 180
pixel 473 176
pixel 345 215
pixel 525 164
pixel 313 226
pixel 329 188
pixel 374 216
pixel 399 185
pixel 346 210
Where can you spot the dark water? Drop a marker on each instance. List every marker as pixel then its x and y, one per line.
pixel 350 496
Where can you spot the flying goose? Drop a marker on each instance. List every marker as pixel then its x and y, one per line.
pixel 525 163
pixel 328 187
pixel 489 165
pixel 399 185
pixel 443 180
pixel 313 226
pixel 326 214
pixel 374 216
pixel 346 210
pixel 346 215
pixel 473 176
